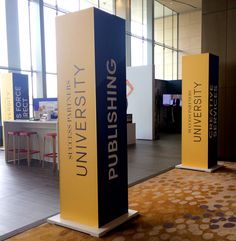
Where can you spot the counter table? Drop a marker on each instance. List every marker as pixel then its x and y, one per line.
pixel 41 127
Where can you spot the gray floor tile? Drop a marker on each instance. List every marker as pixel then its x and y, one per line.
pixel 30 194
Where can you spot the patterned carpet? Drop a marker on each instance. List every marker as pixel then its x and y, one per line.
pixel 179 205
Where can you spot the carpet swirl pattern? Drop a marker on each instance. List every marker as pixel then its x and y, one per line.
pixel 179 205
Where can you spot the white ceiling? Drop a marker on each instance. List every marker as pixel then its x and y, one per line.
pixel 181 6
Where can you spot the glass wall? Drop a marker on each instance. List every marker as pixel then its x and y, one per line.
pixel 165 42
pixel 24 35
pixel 29 45
pixel 138 32
pixel 35 35
pixel 50 50
pixel 51 10
pixel 69 6
pixel 3 35
pixel 36 38
pixel 107 5
pixel 87 4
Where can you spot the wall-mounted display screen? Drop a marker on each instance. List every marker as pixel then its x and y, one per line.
pixel 169 99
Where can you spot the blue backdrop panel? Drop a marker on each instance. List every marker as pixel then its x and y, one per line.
pixel 20 96
pixel 111 115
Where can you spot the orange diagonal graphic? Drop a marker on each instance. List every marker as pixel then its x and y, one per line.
pixel 131 87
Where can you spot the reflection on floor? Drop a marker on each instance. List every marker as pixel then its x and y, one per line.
pixel 29 195
pixel 148 158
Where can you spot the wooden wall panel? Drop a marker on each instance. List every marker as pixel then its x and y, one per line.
pixel 219 37
pixel 231 49
pixel 221 123
pixel 209 6
pixel 231 4
pixel 214 39
pixel 230 123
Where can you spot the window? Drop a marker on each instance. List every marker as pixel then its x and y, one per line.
pixel 139 18
pixel 168 27
pixel 180 64
pixel 159 62
pixel 71 5
pixel 138 32
pixel 50 39
pixel 175 65
pixel 3 35
pixel 107 5
pixel 52 2
pixel 23 19
pixel 166 57
pixel 88 3
pixel 35 78
pixel 36 57
pixel 166 42
pixel 158 22
pixel 139 52
pixel 168 66
pixel 175 31
pixel 51 85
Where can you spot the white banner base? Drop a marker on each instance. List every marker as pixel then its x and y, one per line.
pixel 200 169
pixel 96 232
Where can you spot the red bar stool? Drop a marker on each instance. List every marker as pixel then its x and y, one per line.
pixel 13 135
pixel 53 154
pixel 28 150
